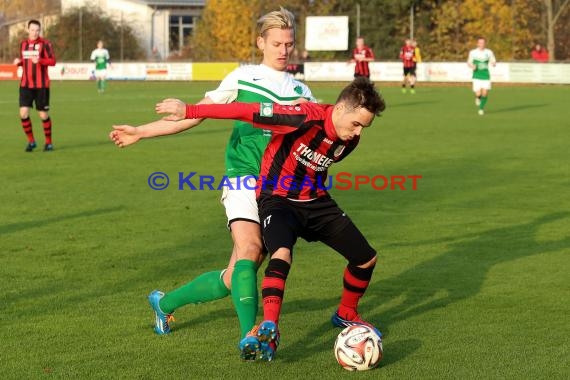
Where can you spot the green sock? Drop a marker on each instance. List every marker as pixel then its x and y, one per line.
pixel 98 84
pixel 244 294
pixel 204 288
pixel 483 102
pixel 103 84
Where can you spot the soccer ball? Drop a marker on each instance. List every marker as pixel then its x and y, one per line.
pixel 358 348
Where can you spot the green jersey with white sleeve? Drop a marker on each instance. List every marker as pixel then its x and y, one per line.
pixel 101 58
pixel 481 59
pixel 254 84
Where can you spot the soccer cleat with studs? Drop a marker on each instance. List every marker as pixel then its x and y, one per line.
pixel 48 148
pixel 338 321
pixel 249 346
pixel 161 319
pixel 268 335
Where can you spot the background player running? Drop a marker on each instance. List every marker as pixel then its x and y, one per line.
pixel 479 61
pixel 308 139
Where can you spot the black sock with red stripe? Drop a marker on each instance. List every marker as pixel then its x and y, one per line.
pixel 273 288
pixel 355 283
pixel 47 129
pixel 27 126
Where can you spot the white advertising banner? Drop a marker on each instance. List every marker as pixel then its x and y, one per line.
pixel 549 73
pixel 442 72
pixel 328 33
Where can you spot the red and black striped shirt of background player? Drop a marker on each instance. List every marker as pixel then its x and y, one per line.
pixel 407 55
pixel 35 75
pixel 303 146
pixel 362 67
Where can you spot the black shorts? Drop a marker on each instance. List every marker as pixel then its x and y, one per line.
pixel 410 71
pixel 38 95
pixel 284 220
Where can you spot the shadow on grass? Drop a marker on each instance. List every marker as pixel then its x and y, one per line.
pixel 16 227
pixel 459 273
pixel 398 350
pixel 520 107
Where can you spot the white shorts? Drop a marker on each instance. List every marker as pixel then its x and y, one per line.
pixel 239 200
pixel 101 73
pixel 481 84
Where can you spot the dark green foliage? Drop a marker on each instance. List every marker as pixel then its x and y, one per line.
pixel 71 45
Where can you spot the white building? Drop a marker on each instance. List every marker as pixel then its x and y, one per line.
pixel 162 26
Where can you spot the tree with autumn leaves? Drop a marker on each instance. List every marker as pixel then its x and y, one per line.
pixel 445 29
pixel 227 28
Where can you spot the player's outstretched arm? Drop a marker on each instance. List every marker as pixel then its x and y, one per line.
pixel 125 135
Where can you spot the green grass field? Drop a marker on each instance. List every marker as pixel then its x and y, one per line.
pixel 472 278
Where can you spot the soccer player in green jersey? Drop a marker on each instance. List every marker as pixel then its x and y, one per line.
pixel 479 61
pixel 102 60
pixel 267 82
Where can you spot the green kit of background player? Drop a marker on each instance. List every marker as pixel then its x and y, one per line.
pixel 102 61
pixel 479 61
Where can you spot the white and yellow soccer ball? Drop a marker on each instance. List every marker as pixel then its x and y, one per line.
pixel 358 348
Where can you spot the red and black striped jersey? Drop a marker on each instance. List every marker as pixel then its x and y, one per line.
pixel 362 67
pixel 407 55
pixel 35 75
pixel 304 144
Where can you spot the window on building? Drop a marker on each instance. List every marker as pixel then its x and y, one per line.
pixel 181 27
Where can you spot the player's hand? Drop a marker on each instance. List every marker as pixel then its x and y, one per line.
pixel 124 135
pixel 17 61
pixel 175 108
pixel 35 60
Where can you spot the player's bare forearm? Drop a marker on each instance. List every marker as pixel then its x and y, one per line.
pixel 125 135
pixel 164 127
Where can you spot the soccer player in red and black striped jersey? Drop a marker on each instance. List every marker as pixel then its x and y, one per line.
pixel 293 202
pixel 36 54
pixel 408 57
pixel 361 56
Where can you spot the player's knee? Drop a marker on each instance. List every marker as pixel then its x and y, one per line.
pixel 370 263
pixel 363 258
pixel 250 250
pixel 227 277
pixel 282 254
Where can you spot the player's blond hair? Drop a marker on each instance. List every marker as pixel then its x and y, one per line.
pixel 282 19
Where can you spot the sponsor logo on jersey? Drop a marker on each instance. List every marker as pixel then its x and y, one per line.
pixel 338 151
pixel 319 159
pixel 266 109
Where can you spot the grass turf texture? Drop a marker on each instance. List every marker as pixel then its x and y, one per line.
pixel 472 276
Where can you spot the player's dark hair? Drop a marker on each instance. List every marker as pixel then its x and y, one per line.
pixel 362 93
pixel 34 22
